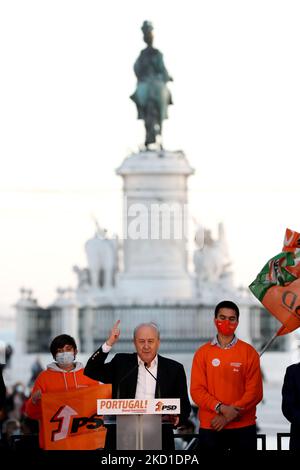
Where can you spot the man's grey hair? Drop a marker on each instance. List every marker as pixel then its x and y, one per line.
pixel 152 324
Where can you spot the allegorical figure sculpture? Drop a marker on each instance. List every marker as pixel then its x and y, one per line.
pixel 211 259
pixel 152 96
pixel 102 259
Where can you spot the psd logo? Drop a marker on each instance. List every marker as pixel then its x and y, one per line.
pixel 161 407
pixel 69 425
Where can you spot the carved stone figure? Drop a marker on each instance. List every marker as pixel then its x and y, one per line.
pixel 211 259
pixel 101 254
pixel 83 276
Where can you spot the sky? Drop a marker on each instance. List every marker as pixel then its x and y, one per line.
pixel 66 124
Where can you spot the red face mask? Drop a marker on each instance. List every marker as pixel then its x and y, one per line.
pixel 226 327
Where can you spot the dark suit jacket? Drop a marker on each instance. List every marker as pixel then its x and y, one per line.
pixel 2 389
pixel 122 373
pixel 291 403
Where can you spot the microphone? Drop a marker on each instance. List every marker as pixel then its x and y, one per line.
pixel 125 377
pixel 158 387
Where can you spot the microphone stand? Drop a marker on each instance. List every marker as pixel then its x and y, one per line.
pixel 125 377
pixel 158 387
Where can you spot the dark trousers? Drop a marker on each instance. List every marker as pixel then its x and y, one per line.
pixel 228 439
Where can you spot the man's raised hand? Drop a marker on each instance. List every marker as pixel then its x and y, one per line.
pixel 114 334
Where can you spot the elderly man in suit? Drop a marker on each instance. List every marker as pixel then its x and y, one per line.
pixel 144 374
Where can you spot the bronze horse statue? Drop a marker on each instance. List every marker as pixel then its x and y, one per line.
pixel 152 95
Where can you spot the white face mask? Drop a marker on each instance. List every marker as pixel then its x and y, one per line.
pixel 65 358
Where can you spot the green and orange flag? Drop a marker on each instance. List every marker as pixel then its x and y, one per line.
pixel 277 286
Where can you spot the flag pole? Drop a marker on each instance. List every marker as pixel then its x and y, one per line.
pixel 268 343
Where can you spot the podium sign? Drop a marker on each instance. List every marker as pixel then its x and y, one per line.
pixel 158 406
pixel 139 424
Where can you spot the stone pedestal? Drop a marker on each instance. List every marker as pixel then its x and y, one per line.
pixel 155 223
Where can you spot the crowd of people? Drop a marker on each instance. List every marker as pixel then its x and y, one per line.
pixel 226 386
pixel 14 422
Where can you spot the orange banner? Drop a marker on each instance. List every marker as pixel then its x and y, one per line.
pixel 284 304
pixel 70 419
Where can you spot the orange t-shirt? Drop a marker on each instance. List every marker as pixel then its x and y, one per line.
pixel 231 376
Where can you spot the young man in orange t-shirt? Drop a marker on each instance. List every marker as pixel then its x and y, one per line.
pixel 62 375
pixel 226 384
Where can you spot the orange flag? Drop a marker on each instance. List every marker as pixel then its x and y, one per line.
pixel 277 286
pixel 70 419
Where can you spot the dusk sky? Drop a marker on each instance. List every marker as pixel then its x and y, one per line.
pixel 67 123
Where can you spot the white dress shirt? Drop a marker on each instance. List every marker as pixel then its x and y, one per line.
pixel 106 348
pixel 146 384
